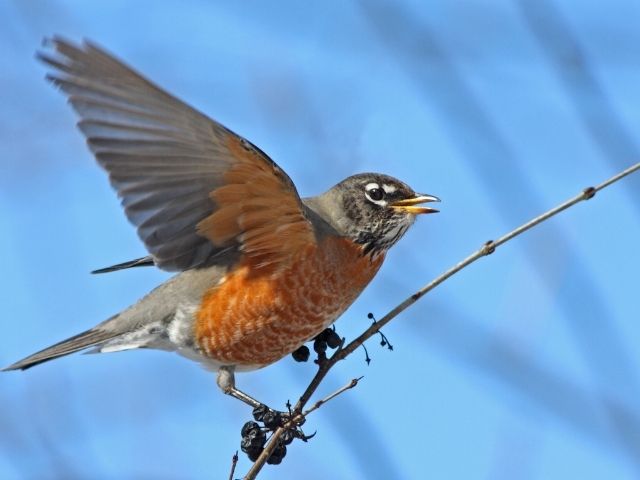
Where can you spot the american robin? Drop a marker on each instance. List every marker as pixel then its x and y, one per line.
pixel 261 271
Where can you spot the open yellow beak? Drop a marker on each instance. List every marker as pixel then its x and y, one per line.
pixel 409 205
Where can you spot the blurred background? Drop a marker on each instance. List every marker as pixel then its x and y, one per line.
pixel 525 365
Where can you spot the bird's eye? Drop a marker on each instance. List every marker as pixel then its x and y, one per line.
pixel 376 194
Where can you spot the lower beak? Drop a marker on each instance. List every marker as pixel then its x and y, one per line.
pixel 410 205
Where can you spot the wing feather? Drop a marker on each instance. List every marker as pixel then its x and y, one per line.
pixel 197 193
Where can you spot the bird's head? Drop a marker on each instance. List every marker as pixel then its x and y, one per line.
pixel 373 209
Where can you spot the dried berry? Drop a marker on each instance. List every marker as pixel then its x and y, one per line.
pixel 322 336
pixel 272 419
pixel 254 454
pixel 320 346
pixel 287 437
pixel 332 338
pixel 255 438
pixel 248 427
pixel 301 354
pixel 277 455
pixel 259 412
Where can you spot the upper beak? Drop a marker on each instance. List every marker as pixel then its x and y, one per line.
pixel 409 205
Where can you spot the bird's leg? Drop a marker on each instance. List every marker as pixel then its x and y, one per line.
pixel 254 436
pixel 261 412
pixel 227 383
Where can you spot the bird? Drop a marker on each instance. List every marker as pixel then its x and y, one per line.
pixel 259 269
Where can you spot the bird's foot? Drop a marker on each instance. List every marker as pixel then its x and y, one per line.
pixel 267 420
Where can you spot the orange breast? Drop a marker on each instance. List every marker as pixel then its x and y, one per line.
pixel 256 319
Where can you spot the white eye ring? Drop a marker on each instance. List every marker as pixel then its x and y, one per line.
pixel 372 190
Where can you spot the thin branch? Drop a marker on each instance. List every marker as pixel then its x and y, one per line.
pixel 487 249
pixel 234 462
pixel 419 53
pixel 266 453
pixel 341 390
pixel 296 419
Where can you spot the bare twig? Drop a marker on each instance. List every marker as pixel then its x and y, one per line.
pixel 319 403
pixel 296 419
pixel 487 249
pixel 234 462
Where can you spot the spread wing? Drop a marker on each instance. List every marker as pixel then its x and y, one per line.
pixel 195 190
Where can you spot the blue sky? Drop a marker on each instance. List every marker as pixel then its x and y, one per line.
pixel 525 365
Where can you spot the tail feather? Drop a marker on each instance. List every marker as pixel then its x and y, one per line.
pixel 138 262
pixel 74 344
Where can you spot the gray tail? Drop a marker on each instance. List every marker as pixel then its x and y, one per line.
pixel 74 344
pixel 138 262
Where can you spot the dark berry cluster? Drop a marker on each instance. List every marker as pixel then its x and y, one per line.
pixel 328 338
pixel 271 419
pixel 254 435
pixel 253 440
